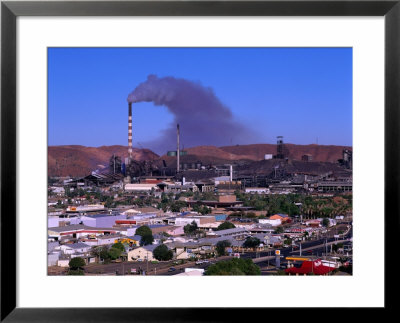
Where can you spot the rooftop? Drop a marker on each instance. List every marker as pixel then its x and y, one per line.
pixel 78 245
pixel 230 231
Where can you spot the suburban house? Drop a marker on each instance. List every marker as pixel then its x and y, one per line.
pixel 272 222
pixel 237 233
pixel 143 253
pixel 191 249
pixel 283 217
pixel 75 248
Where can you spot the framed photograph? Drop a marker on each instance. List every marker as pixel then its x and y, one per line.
pixel 241 148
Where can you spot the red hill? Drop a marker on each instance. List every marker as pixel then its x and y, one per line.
pixel 74 160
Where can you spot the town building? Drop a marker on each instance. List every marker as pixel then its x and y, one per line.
pixel 142 253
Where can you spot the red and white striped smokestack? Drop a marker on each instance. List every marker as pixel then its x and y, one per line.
pixel 130 131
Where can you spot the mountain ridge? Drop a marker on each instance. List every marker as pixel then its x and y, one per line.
pixel 79 160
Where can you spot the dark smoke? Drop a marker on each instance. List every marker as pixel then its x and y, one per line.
pixel 203 119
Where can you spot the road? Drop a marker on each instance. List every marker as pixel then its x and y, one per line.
pixel 160 268
pixel 265 260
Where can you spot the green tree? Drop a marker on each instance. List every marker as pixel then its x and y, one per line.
pixel 208 196
pixel 234 267
pixel 287 241
pixel 279 229
pixel 103 253
pixel 325 222
pixel 177 206
pixel 143 230
pixel 251 242
pixel 337 246
pixel 190 228
pixel 204 210
pixel 221 246
pixel 146 239
pixel 114 253
pixel 226 225
pixel 118 245
pixel 109 202
pixel 162 253
pixel 76 263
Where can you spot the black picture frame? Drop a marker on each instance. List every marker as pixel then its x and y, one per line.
pixel 10 10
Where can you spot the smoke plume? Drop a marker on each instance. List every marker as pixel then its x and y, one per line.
pixel 203 119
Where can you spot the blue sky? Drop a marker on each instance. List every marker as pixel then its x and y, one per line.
pixel 303 94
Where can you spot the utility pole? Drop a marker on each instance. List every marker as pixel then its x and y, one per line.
pixel 147 262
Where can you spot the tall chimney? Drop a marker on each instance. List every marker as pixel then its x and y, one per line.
pixel 130 131
pixel 177 148
pixel 230 173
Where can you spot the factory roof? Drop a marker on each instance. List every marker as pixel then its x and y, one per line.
pixel 77 245
pixel 79 227
pixel 109 236
pixel 230 231
pixel 102 215
pixel 104 176
pixel 190 244
pixel 153 226
pixel 72 227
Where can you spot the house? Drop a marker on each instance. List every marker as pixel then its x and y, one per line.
pixel 140 187
pixel 63 262
pixel 191 249
pixel 272 222
pixel 315 223
pixel 199 220
pixel 237 233
pixel 176 231
pixel 108 239
pixel 257 190
pixel 283 217
pixel 143 253
pixel 158 228
pixel 75 248
pixel 77 231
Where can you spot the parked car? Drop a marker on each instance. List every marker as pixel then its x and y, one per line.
pixel 171 269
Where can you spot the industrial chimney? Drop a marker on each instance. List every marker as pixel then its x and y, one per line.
pixel 230 173
pixel 177 148
pixel 130 131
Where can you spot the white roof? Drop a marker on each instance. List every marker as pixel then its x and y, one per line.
pixel 140 186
